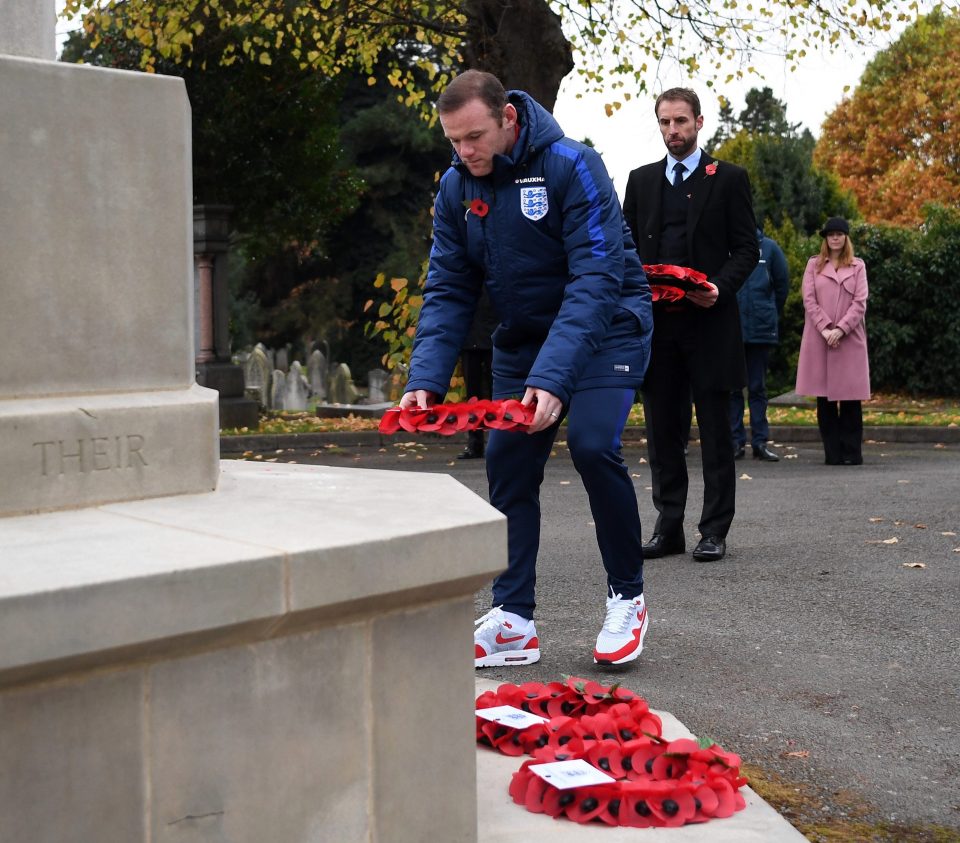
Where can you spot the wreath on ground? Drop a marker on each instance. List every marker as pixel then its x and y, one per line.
pixel 606 737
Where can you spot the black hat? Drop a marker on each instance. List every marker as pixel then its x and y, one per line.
pixel 835 224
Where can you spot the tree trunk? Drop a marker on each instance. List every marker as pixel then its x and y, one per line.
pixel 521 43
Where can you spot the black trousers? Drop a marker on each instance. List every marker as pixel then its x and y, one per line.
pixel 666 403
pixel 841 429
pixel 477 367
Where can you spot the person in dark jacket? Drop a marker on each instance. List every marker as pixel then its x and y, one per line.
pixel 533 216
pixel 476 363
pixel 761 300
pixel 692 210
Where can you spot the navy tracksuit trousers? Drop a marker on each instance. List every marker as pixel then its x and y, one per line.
pixel 515 466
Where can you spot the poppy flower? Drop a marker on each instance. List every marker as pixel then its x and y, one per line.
pixel 705 801
pixel 591 692
pixel 635 799
pixel 536 790
pixel 589 802
pixel 605 755
pixel 479 207
pixel 506 415
pixel 519 783
pixel 390 421
pixel 599 727
pixel 556 801
pixel 561 731
pixel 674 808
pixel 668 766
pixel 442 419
pixel 470 415
pixel 726 803
pixel 412 417
pixel 666 292
pixel 711 168
pixel 642 759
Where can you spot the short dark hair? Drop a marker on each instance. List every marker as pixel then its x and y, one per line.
pixel 687 95
pixel 473 85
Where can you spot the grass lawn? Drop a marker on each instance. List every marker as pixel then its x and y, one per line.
pixel 880 410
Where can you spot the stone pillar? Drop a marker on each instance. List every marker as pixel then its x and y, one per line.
pixel 211 244
pixel 28 29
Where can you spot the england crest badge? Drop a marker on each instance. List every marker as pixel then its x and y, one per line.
pixel 533 202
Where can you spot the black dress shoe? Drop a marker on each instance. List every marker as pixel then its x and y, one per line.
pixel 739 452
pixel 710 549
pixel 661 545
pixel 762 452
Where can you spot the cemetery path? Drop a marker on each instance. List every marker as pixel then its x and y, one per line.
pixel 824 650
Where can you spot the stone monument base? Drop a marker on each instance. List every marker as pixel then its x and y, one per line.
pixel 285 659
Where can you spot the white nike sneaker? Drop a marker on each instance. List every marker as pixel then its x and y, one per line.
pixel 624 628
pixel 500 641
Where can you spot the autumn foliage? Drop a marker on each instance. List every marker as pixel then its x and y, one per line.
pixel 896 142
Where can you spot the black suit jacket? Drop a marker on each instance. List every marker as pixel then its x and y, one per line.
pixel 722 242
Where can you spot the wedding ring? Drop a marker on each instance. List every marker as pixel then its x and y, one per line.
pixel 555 415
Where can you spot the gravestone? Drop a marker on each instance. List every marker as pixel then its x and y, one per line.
pixel 282 360
pixel 317 374
pixel 256 375
pixel 296 389
pixel 341 389
pixel 378 386
pixel 278 386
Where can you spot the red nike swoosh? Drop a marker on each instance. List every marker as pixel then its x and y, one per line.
pixel 501 640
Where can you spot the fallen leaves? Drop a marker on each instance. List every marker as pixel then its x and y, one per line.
pixel 745 476
pixel 914 565
pixel 892 540
pixel 797 753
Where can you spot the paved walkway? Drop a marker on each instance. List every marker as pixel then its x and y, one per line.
pixel 824 649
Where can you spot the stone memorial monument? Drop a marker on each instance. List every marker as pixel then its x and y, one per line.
pixel 193 650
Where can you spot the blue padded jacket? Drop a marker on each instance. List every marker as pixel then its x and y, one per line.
pixel 558 261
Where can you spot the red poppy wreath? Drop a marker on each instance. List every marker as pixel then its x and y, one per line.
pixel 672 283
pixel 447 419
pixel 648 780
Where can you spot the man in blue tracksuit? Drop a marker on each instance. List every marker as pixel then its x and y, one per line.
pixel 533 216
pixel 761 300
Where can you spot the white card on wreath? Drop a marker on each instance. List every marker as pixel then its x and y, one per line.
pixel 566 774
pixel 508 715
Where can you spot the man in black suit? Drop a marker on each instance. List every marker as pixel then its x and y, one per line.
pixel 692 210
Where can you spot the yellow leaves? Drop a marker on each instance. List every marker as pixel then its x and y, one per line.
pixel 265 58
pixel 398 284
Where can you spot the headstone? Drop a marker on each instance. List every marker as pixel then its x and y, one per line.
pixel 317 374
pixel 278 388
pixel 378 386
pixel 342 390
pixel 296 389
pixel 256 375
pixel 282 360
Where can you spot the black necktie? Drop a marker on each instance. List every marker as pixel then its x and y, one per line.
pixel 678 171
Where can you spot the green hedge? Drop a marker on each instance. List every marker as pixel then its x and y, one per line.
pixel 913 313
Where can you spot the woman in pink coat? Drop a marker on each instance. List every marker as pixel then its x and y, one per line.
pixel 833 352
